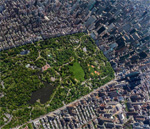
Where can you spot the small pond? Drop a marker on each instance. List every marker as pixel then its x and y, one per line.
pixel 43 94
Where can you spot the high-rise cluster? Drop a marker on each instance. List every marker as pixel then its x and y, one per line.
pixel 120 28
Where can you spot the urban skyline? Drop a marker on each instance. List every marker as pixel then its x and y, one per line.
pixel 120 29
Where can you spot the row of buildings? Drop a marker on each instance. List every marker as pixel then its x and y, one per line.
pixel 26 21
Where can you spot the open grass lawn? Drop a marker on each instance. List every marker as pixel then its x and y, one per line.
pixel 78 72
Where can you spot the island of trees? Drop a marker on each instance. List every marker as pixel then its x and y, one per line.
pixel 69 66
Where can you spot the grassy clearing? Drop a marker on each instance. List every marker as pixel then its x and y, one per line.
pixel 78 72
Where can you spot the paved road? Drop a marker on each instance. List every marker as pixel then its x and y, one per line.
pixel 50 113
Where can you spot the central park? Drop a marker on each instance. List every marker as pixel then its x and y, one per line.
pixel 43 76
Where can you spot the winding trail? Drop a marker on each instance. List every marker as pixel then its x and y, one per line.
pixel 7 122
pixel 66 64
pixel 80 43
